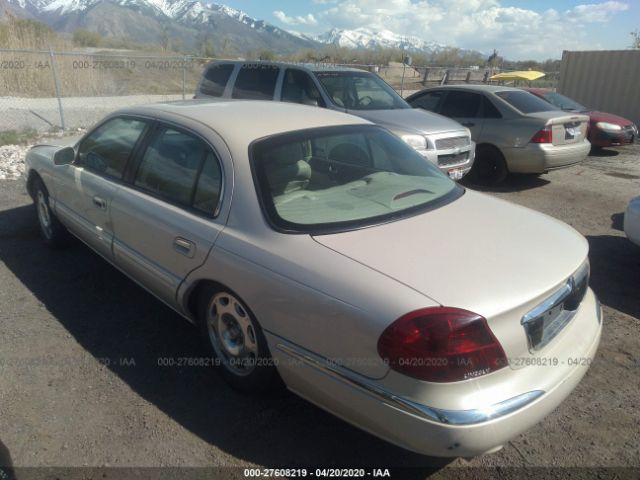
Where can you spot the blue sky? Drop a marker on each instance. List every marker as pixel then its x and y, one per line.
pixel 518 29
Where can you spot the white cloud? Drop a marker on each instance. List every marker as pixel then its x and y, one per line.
pixel 474 24
pixel 297 20
pixel 596 12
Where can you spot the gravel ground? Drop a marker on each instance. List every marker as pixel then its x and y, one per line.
pixel 81 386
pixel 43 113
pixel 12 156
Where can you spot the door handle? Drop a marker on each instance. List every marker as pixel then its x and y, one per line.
pixel 100 202
pixel 184 246
pixel 469 124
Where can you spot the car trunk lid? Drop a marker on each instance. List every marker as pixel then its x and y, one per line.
pixel 501 262
pixel 566 129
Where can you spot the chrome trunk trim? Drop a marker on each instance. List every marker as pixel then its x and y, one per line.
pixel 545 321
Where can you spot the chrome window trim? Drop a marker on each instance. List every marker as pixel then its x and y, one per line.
pixel 425 412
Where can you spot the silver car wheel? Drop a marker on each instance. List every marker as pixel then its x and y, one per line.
pixel 232 334
pixel 44 215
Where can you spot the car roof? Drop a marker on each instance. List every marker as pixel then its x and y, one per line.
pixel 477 88
pixel 247 120
pixel 537 89
pixel 312 67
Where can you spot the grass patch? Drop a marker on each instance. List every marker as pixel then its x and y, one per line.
pixel 18 137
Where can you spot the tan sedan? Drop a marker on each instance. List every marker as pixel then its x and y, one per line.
pixel 317 246
pixel 514 131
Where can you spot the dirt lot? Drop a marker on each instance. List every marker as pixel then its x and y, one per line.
pixel 80 383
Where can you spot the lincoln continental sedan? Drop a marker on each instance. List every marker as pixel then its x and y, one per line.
pixel 317 247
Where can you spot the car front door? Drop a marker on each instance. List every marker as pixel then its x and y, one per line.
pixel 429 100
pixel 87 187
pixel 299 87
pixel 464 107
pixel 167 217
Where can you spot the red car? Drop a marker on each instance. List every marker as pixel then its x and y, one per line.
pixel 605 129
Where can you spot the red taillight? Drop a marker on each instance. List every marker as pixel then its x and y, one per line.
pixel 543 136
pixel 441 344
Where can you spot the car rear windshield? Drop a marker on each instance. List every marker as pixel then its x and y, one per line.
pixel 333 179
pixel 563 103
pixel 525 102
pixel 360 91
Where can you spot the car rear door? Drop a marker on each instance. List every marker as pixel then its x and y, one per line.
pixel 167 218
pixel 464 107
pixel 492 123
pixel 87 187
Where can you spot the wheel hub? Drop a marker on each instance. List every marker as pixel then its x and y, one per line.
pixel 232 334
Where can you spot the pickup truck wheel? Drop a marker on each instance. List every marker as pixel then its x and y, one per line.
pixel 489 167
pixel 233 336
pixel 53 232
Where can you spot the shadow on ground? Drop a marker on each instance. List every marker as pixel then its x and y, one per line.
pixel 615 272
pixel 617 221
pixel 603 152
pixel 513 183
pixel 110 316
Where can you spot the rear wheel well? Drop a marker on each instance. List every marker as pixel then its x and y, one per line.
pixel 489 145
pixel 490 166
pixel 194 293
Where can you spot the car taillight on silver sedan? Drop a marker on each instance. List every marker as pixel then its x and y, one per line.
pixel 544 135
pixel 441 344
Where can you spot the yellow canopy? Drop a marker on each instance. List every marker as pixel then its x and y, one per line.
pixel 528 75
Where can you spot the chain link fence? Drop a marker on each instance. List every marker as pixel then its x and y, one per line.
pixel 46 90
pixel 43 90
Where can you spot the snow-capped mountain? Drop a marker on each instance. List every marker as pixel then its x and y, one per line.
pixel 193 22
pixel 367 38
pixel 188 21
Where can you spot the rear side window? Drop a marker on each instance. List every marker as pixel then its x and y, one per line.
pixel 461 104
pixel 215 79
pixel 207 192
pixel 489 110
pixel 182 169
pixel 107 149
pixel 525 102
pixel 256 82
pixel 428 101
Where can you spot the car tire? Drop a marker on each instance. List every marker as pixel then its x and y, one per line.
pixel 489 167
pixel 235 339
pixel 53 232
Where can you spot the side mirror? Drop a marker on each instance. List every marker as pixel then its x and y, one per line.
pixel 64 156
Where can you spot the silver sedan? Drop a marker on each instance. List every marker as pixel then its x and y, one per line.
pixel 514 131
pixel 316 246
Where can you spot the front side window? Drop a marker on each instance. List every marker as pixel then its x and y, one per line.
pixel 459 104
pixel 182 169
pixel 428 101
pixel 298 87
pixel 329 179
pixel 215 79
pixel 107 149
pixel 360 91
pixel 525 102
pixel 256 81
